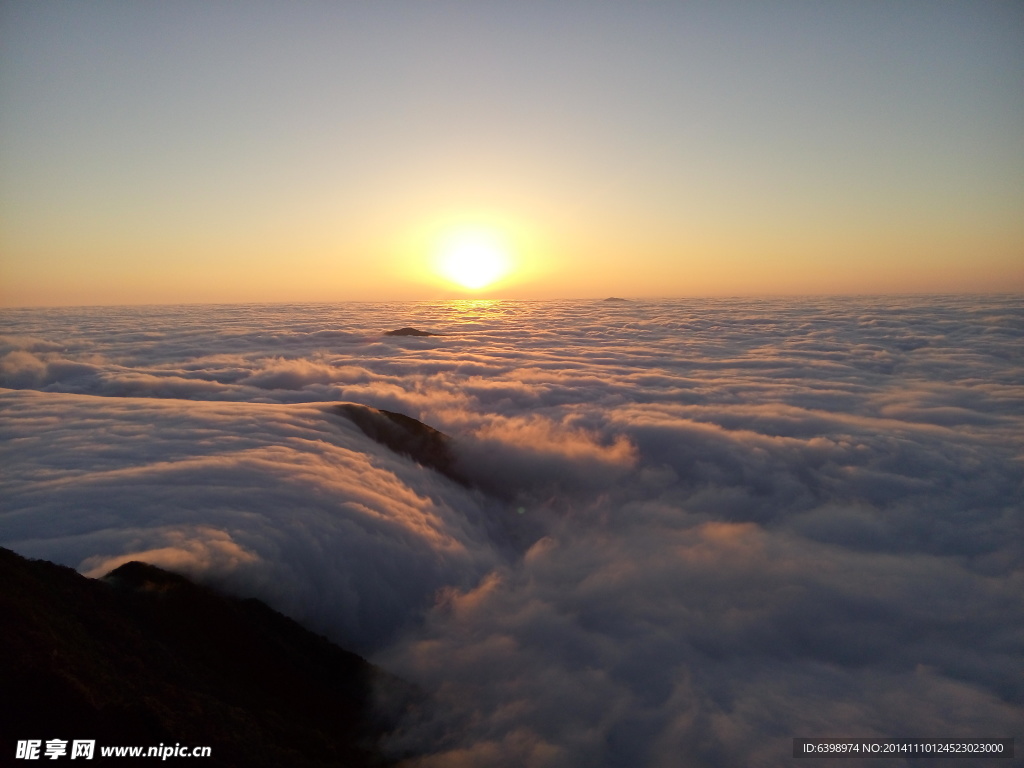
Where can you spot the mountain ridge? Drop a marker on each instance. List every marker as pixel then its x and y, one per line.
pixel 144 656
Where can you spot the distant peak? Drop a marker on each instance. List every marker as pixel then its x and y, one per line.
pixel 410 332
pixel 615 298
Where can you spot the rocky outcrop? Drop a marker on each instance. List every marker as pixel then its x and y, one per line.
pixel 407 436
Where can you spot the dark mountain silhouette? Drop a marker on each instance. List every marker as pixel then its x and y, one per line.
pixel 407 436
pixel 144 657
pixel 410 332
pixel 614 298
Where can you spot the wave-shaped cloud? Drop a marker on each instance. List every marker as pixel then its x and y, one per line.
pixel 693 530
pixel 293 503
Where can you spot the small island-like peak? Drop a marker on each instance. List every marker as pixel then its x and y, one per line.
pixel 410 332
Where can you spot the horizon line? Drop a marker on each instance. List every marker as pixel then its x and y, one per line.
pixel 644 298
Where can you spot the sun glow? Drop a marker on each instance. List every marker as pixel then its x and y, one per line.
pixel 473 258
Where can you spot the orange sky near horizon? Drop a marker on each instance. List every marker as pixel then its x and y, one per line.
pixel 299 152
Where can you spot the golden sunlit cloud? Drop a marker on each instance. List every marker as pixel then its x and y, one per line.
pixel 473 258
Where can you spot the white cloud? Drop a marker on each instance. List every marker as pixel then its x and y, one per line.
pixel 701 528
pixel 292 502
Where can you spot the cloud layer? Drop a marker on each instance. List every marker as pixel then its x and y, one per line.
pixel 698 528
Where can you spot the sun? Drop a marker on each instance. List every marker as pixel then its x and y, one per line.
pixel 473 258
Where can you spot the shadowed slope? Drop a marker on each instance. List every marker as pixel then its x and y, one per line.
pixel 145 657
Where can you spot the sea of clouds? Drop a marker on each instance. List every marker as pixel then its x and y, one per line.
pixel 696 529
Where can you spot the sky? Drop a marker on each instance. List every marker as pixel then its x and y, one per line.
pixel 696 529
pixel 316 151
